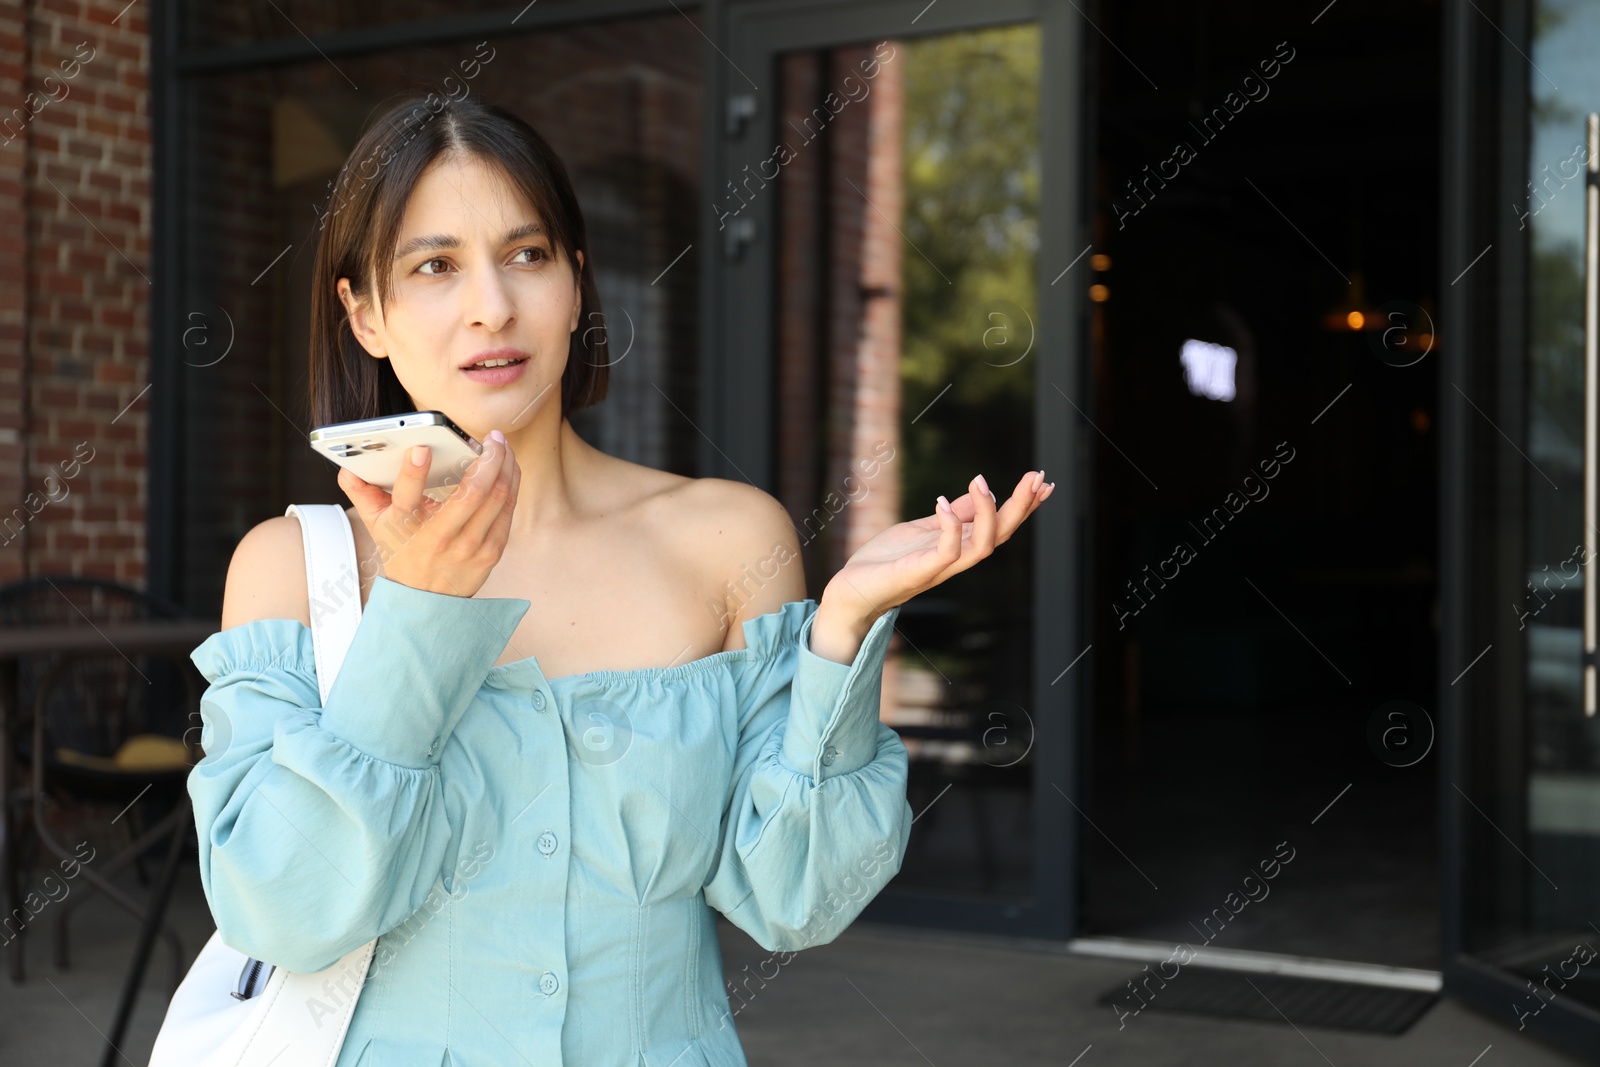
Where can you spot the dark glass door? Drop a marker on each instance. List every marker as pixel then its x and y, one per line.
pixel 1262 599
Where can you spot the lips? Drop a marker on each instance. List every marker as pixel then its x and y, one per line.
pixel 494 354
pixel 508 367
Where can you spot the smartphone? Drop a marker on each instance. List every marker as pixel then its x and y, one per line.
pixel 373 449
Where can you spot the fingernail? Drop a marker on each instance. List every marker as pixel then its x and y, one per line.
pixel 419 455
pixel 943 505
pixel 1041 479
pixel 496 435
pixel 983 484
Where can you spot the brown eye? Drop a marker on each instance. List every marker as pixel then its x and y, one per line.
pixel 421 269
pixel 543 255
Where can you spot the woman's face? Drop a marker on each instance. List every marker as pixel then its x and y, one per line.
pixel 474 273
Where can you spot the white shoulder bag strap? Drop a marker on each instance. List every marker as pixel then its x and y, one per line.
pixel 222 1015
pixel 333 584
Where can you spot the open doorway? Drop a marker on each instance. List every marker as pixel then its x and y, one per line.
pixel 1263 552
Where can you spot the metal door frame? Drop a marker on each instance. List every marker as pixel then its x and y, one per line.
pixel 1484 317
pixel 739 310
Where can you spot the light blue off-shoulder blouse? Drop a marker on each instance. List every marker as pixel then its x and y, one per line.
pixel 539 857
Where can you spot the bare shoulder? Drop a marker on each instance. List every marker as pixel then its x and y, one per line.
pixel 267 575
pixel 744 543
pixel 674 507
pixel 737 509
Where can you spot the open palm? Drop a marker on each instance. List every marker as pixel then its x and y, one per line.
pixel 910 557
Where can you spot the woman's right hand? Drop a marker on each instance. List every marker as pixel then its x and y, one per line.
pixel 449 547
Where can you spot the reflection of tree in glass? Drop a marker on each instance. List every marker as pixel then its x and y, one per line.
pixel 1555 336
pixel 1549 108
pixel 1555 406
pixel 1556 331
pixel 971 172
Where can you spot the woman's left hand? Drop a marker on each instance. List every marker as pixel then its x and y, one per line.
pixel 910 557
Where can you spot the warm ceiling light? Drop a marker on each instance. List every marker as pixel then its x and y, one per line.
pixel 1352 312
pixel 1100 261
pixel 1099 294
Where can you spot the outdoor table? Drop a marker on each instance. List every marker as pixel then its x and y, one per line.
pixel 57 644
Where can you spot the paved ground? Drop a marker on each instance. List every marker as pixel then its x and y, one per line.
pixel 878 996
pixel 888 998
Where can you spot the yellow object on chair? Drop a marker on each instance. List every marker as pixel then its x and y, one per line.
pixel 141 752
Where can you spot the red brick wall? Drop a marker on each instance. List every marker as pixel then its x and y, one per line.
pixel 839 302
pixel 13 303
pixel 867 275
pixel 74 290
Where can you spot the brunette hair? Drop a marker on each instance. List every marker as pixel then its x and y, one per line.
pixel 361 226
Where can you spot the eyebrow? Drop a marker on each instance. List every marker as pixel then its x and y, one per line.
pixel 441 241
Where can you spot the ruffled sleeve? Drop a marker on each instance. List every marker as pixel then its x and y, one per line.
pixel 817 820
pixel 321 828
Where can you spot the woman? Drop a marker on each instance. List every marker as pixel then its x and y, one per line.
pixel 543 762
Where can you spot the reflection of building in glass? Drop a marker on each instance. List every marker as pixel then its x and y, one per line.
pixel 640 220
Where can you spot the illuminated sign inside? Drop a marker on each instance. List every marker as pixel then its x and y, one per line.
pixel 1208 369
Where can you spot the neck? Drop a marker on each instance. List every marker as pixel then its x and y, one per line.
pixel 552 458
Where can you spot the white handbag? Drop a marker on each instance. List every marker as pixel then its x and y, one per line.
pixel 234 1011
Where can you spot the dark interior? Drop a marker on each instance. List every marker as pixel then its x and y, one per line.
pixel 1232 700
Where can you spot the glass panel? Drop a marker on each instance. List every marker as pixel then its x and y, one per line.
pixel 620 103
pixel 245 22
pixel 904 326
pixel 1530 912
pixel 1262 578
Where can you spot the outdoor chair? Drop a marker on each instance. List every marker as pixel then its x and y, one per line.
pixel 103 728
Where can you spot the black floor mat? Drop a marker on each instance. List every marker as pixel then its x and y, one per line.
pixel 1274 998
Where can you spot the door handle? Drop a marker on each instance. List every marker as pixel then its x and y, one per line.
pixel 1591 411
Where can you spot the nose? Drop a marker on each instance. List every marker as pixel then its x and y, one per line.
pixel 489 300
